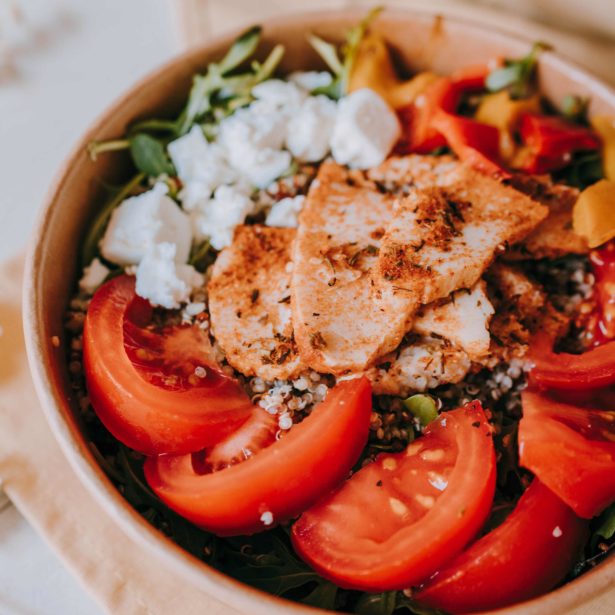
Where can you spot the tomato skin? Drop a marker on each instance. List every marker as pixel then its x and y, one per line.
pixel 603 266
pixel 528 555
pixel 571 450
pixel 389 527
pixel 592 369
pixel 141 414
pixel 283 479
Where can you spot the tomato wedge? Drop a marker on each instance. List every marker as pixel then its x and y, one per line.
pixel 279 482
pixel 603 266
pixel 592 369
pixel 571 450
pixel 397 520
pixel 143 381
pixel 530 553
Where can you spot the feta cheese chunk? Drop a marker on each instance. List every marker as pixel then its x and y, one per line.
pixel 201 166
pixel 253 138
pixel 217 218
pixel 93 276
pixel 281 94
pixel 366 129
pixel 285 213
pixel 143 221
pixel 310 128
pixel 311 80
pixel 163 281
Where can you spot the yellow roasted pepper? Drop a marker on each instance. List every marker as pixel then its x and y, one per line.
pixel 503 112
pixel 605 127
pixel 372 68
pixel 593 216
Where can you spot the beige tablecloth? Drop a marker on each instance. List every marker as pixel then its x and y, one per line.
pixel 35 474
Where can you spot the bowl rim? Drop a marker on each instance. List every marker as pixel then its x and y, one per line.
pixel 218 585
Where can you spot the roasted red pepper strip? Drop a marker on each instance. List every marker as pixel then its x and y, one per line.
pixel 430 122
pixel 551 141
pixel 420 136
pixel 571 372
pixel 473 142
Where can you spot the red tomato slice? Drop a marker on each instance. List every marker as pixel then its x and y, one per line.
pixel 603 266
pixel 530 553
pixel 592 369
pixel 142 381
pixel 257 433
pixel 400 518
pixel 279 482
pixel 571 450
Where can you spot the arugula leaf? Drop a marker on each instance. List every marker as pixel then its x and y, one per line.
pixel 584 169
pixel 149 156
pixel 342 68
pixel 517 76
pixel 574 108
pixel 376 604
pixel 201 256
pixel 323 596
pixel 607 525
pixel 328 53
pixel 101 147
pixel 205 89
pixel 97 228
pixel 243 47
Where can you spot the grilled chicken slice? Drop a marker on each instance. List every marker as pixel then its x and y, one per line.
pixel 521 308
pixel 422 364
pixel 249 303
pixel 462 319
pixel 554 236
pixel 402 173
pixel 442 239
pixel 340 318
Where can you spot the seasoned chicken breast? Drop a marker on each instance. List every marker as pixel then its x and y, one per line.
pixel 462 319
pixel 402 173
pixel 441 240
pixel 249 303
pixel 433 242
pixel 340 318
pixel 554 236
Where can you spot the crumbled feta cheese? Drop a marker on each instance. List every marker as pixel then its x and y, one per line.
pixel 163 281
pixel 285 212
pixel 365 130
pixel 311 80
pixel 217 218
pixel 310 128
pixel 143 221
pixel 200 165
pixel 93 276
pixel 281 94
pixel 259 125
pixel 252 138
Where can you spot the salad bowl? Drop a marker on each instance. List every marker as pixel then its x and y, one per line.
pixel 420 41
